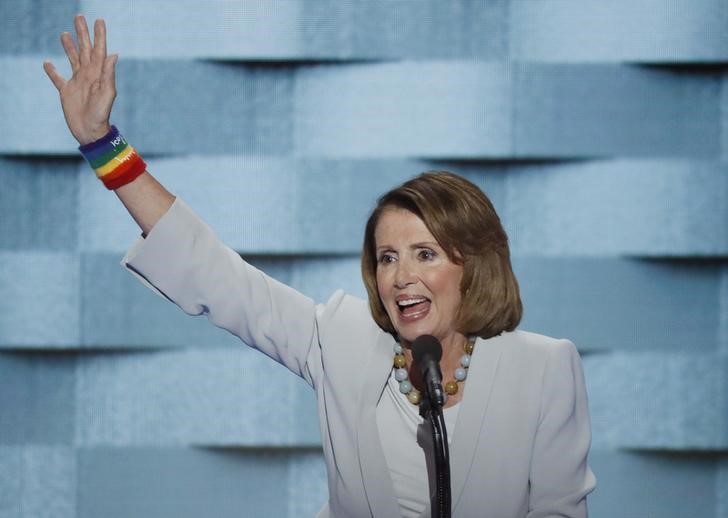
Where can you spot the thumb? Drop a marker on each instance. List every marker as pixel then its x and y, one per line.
pixel 54 76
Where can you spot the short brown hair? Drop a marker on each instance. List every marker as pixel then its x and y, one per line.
pixel 463 221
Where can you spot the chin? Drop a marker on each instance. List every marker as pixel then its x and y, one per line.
pixel 410 334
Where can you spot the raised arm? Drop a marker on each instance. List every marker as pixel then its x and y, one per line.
pixel 87 98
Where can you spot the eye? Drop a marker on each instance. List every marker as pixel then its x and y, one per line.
pixel 386 258
pixel 426 254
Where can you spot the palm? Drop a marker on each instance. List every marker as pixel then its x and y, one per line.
pixel 88 96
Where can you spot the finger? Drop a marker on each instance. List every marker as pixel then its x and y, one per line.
pixel 53 74
pixel 70 47
pixel 84 40
pixel 100 39
pixel 108 71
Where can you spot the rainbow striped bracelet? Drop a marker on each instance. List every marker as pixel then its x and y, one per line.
pixel 116 163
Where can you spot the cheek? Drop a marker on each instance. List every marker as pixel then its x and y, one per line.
pixel 380 286
pixel 384 289
pixel 454 295
pixel 456 298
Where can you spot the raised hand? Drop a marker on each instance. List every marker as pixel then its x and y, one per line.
pixel 88 96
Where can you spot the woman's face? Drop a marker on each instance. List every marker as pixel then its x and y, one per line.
pixel 418 284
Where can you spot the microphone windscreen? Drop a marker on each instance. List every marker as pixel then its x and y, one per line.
pixel 426 345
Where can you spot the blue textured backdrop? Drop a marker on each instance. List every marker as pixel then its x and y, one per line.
pixel 599 129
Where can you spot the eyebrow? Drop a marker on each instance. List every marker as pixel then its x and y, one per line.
pixel 413 246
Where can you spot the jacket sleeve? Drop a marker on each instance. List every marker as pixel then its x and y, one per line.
pixel 182 260
pixel 560 477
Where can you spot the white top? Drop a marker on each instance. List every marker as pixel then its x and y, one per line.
pixel 405 451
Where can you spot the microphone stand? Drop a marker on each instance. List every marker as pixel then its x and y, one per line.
pixel 432 412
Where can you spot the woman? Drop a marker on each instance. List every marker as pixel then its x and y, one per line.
pixel 435 261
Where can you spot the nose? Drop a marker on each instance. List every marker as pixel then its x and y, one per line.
pixel 405 275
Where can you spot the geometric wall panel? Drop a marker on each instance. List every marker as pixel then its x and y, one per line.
pixel 120 313
pixel 721 486
pixel 307 29
pixel 237 108
pixel 500 110
pixel 307 484
pixel 472 110
pixel 29 97
pixel 33 27
pixel 656 401
pixel 37 482
pixel 164 482
pixel 316 277
pixel 526 110
pixel 38 204
pixel 600 132
pixel 620 30
pixel 207 396
pixel 255 204
pixel 470 101
pixel 40 303
pixel 37 398
pixel 645 208
pixel 648 484
pixel 625 207
pixel 619 304
pixel 622 304
pixel 606 110
pixel 184 29
pixel 724 117
pixel 60 482
pixel 723 307
pixel 548 30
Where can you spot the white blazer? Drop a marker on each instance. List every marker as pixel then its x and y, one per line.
pixel 519 448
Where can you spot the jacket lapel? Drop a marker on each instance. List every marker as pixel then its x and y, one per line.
pixel 375 474
pixel 474 406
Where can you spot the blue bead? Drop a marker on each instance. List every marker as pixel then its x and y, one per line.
pixel 400 374
pixel 460 374
pixel 465 361
pixel 405 387
pixel 397 349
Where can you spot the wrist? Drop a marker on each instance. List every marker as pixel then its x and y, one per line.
pixel 116 163
pixel 95 134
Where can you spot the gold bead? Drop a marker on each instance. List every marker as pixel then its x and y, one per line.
pixel 399 361
pixel 414 396
pixel 451 387
pixel 469 348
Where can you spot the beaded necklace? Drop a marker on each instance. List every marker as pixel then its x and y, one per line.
pixel 414 396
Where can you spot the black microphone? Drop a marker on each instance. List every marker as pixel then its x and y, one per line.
pixel 427 353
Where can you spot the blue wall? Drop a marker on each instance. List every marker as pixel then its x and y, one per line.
pixel 599 130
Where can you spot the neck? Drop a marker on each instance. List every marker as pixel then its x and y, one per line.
pixel 452 350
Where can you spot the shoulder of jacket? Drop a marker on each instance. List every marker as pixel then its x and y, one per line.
pixel 341 303
pixel 343 309
pixel 537 344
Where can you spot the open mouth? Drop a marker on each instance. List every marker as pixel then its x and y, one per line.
pixel 413 306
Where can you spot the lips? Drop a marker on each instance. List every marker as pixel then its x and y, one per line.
pixel 412 307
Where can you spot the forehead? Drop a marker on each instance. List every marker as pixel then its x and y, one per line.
pixel 396 225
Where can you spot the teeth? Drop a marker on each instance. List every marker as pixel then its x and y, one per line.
pixel 410 302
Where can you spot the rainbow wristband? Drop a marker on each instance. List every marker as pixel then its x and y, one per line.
pixel 116 163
